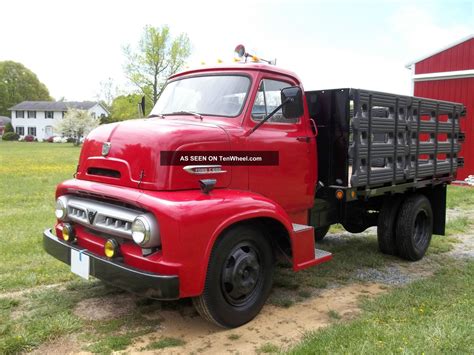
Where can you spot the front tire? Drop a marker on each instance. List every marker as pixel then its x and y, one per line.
pixel 239 278
pixel 414 227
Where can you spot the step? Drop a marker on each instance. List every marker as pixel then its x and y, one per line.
pixel 320 254
pixel 300 227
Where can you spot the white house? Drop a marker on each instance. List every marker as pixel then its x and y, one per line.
pixel 38 118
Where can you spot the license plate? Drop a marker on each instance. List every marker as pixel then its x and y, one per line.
pixel 80 264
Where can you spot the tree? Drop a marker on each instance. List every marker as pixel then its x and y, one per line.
pixel 17 84
pixel 125 107
pixel 107 92
pixel 157 57
pixel 77 124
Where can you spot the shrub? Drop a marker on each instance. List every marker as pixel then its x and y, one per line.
pixel 50 139
pixel 29 138
pixel 10 136
pixel 8 128
pixel 71 140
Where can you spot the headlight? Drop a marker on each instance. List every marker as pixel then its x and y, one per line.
pixel 141 230
pixel 61 208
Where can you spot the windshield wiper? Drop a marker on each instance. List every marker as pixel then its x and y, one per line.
pixel 156 115
pixel 195 114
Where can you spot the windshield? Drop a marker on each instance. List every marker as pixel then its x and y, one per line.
pixel 214 95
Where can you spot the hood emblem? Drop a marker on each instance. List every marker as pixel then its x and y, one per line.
pixel 91 216
pixel 105 148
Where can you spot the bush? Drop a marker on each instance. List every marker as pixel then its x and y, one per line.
pixel 71 140
pixel 10 136
pixel 50 139
pixel 29 138
pixel 8 128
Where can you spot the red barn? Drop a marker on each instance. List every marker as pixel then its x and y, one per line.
pixel 448 74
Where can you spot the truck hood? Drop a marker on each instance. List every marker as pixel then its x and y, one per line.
pixel 134 147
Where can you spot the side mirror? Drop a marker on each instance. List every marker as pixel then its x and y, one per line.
pixel 293 96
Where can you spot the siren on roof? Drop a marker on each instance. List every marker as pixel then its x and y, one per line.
pixel 241 53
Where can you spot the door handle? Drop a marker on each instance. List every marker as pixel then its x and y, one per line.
pixel 315 127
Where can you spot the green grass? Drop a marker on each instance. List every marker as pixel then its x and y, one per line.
pixel 334 315
pixel 441 244
pixel 458 225
pixel 165 343
pixel 460 197
pixel 49 314
pixel 41 316
pixel 430 316
pixel 233 336
pixel 268 348
pixel 29 173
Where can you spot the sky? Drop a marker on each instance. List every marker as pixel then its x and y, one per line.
pixel 73 46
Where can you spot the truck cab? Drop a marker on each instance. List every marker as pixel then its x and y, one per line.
pixel 155 209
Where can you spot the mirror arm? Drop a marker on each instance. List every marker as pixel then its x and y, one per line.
pixel 266 118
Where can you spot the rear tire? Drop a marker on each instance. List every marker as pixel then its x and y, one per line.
pixel 320 233
pixel 239 278
pixel 414 227
pixel 354 227
pixel 387 222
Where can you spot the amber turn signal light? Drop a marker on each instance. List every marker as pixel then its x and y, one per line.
pixel 111 248
pixel 68 232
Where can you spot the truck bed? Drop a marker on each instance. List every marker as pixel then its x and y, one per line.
pixel 373 142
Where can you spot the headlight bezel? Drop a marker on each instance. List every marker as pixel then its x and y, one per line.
pixel 61 205
pixel 145 232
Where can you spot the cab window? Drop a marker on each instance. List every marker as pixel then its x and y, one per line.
pixel 267 99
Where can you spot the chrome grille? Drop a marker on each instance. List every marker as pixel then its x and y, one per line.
pixel 101 216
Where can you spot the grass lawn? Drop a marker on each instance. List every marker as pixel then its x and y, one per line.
pixel 429 316
pixel 29 173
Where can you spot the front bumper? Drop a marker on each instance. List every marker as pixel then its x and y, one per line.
pixel 162 287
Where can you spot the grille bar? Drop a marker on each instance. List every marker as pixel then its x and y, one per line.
pixel 101 216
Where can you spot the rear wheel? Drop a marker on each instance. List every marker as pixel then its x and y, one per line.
pixel 386 226
pixel 320 233
pixel 239 278
pixel 354 227
pixel 414 227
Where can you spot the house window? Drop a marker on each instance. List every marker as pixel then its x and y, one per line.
pixel 20 114
pixel 64 112
pixel 31 114
pixel 93 114
pixel 20 131
pixel 49 114
pixel 32 131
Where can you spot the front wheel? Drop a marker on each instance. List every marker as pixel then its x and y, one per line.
pixel 239 278
pixel 414 227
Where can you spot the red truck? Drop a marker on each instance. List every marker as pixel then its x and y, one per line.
pixel 159 206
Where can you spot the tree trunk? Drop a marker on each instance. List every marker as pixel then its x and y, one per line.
pixel 155 91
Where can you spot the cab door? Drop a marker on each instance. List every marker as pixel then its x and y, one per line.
pixel 291 182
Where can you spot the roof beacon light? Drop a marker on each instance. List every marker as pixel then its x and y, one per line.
pixel 241 53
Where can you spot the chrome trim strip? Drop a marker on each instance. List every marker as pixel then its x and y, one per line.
pixel 189 169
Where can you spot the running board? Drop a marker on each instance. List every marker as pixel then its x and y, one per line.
pixel 305 254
